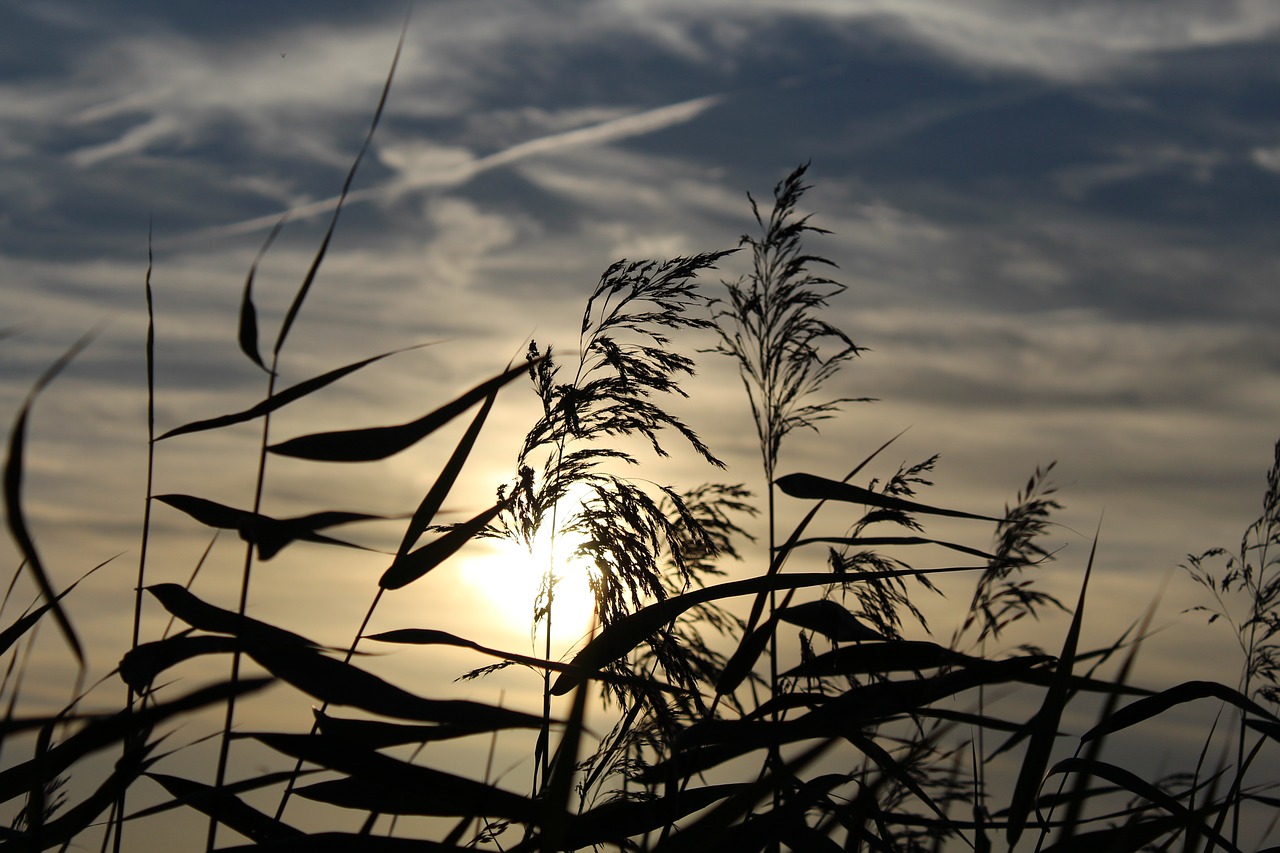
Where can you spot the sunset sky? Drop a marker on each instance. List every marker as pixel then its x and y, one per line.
pixel 1056 223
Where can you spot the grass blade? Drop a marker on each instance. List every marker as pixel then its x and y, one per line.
pixel 1045 727
pixel 230 809
pixel 372 443
pixel 1142 788
pixel 305 288
pixel 13 497
pixel 407 568
pixel 620 637
pixel 339 683
pixel 1145 709
pixel 283 398
pixel 830 619
pixel 379 782
pixel 183 604
pixel 269 535
pixel 140 665
pixel 811 487
pixel 439 490
pixel 248 333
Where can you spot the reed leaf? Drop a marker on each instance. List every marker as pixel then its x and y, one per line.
pixel 559 784
pixel 432 637
pixel 627 633
pixel 140 666
pixel 64 829
pixel 1129 837
pixel 305 288
pixel 280 399
pixel 830 619
pixel 184 604
pixel 1137 785
pixel 230 810
pixel 346 842
pixel 14 517
pixel 616 821
pixel 248 331
pixel 740 665
pixel 269 535
pixel 435 496
pixel 1190 691
pixel 874 541
pixel 1044 728
pixel 379 782
pixel 27 621
pixel 407 568
pixel 377 734
pixel 198 791
pixel 372 443
pixel 710 829
pixel 340 683
pixel 811 487
pixel 884 656
pixel 898 772
pixel 97 734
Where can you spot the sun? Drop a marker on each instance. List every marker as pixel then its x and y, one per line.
pixel 511 576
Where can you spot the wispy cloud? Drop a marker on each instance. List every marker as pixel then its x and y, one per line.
pixel 464 169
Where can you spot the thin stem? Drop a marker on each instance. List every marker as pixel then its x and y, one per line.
pixel 119 809
pixel 225 746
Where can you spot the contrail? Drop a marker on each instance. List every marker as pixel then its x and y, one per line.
pixel 636 124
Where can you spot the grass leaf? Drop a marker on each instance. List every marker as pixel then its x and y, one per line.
pixel 1190 691
pixel 372 443
pixel 811 487
pixel 280 399
pixel 248 333
pixel 228 808
pixel 407 568
pixel 269 535
pixel 1044 730
pixel 435 496
pixel 14 517
pixel 305 288
pixel 379 782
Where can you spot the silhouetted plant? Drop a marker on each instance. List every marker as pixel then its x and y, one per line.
pixel 1246 594
pixel 625 363
pixel 865 738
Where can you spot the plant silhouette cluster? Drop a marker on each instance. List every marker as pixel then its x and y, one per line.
pixel 788 696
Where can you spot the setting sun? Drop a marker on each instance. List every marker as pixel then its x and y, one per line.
pixel 510 577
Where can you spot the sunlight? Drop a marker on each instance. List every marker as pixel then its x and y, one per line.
pixel 510 577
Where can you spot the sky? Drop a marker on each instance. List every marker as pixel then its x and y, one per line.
pixel 1055 223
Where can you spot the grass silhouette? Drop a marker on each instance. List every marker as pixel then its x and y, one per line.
pixel 850 735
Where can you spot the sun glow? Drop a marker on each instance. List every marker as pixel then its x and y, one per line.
pixel 512 576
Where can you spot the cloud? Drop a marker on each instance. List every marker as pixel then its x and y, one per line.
pixel 1087 39
pixel 1129 163
pixel 1267 159
pixel 426 166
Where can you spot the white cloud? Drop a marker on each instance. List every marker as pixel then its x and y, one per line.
pixel 425 166
pixel 1072 41
pixel 1266 158
pixel 1130 163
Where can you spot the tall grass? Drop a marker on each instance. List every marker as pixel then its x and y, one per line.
pixel 863 734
